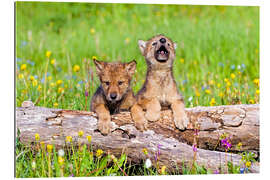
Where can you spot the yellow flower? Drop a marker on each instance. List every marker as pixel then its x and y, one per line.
pixel 53 61
pixel 144 150
pixel 256 82
pixel 163 169
pixel 39 88
pixel 59 82
pixel 258 91
pixel 55 104
pixel 195 62
pixel 68 139
pixel 60 90
pixel 32 78
pixel 23 67
pixel 182 60
pixel 212 102
pixel 80 133
pixel 228 84
pixel 37 137
pixel 76 68
pixel 226 79
pixel 49 148
pixel 92 31
pixel 48 54
pixel 49 78
pixel 251 101
pixel 94 57
pixel 232 75
pixel 197 93
pixel 21 76
pixel 89 138
pixel 52 84
pixel 208 91
pixel 34 83
pixel 218 85
pixel 42 144
pixel 127 40
pixel 220 94
pixel 239 146
pixel 61 160
pixel 248 164
pixel 99 153
pixel 211 82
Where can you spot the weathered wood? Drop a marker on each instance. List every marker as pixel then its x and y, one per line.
pixel 241 122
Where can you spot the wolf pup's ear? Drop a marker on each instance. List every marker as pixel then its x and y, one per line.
pixel 131 67
pixel 99 66
pixel 142 45
pixel 175 45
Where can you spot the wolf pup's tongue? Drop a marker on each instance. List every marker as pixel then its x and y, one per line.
pixel 162 52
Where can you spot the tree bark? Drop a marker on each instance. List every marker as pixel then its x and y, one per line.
pixel 240 122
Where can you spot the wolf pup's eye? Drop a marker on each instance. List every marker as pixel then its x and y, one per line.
pixel 154 43
pixel 168 44
pixel 120 83
pixel 107 83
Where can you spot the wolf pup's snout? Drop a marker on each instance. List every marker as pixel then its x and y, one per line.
pixel 113 95
pixel 162 40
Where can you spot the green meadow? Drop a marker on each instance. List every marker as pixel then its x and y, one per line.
pixel 217 63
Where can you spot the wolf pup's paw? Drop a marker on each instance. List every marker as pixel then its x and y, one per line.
pixel 181 122
pixel 151 116
pixel 104 126
pixel 141 124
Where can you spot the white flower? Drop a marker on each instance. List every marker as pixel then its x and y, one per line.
pixel 61 152
pixel 148 163
pixel 34 165
pixel 190 98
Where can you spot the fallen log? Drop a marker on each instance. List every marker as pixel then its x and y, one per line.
pixel 240 122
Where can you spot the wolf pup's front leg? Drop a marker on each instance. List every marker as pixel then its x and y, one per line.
pixel 104 119
pixel 179 116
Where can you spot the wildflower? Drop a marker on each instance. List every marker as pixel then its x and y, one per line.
pixel 61 152
pixel 52 61
pixel 34 165
pixel 59 82
pixel 197 93
pixel 145 151
pixel 216 171
pixel 92 31
pixel 190 98
pixel 80 133
pixel 55 104
pixel 163 169
pixel 232 75
pixel 89 138
pixel 39 88
pixel 211 82
pixel 233 67
pixel 52 84
pixel 37 137
pixel 256 81
pixel 49 78
pixel 239 145
pixel 127 40
pixel 48 54
pixel 86 93
pixel 212 102
pixel 94 57
pixel 218 85
pixel 99 153
pixel 248 164
pixel 242 170
pixel 61 160
pixel 32 78
pixel 68 139
pixel 182 60
pixel 76 68
pixel 21 76
pixel 251 101
pixel 226 79
pixel 228 84
pixel 23 67
pixel 195 62
pixel 34 83
pixel 258 91
pixel 49 148
pixel 60 90
pixel 194 147
pixel 220 94
pixel 225 142
pixel 42 144
pixel 148 163
pixel 208 91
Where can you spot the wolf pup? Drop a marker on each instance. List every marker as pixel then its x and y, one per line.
pixel 159 90
pixel 114 94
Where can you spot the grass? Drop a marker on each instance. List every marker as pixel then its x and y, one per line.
pixel 217 59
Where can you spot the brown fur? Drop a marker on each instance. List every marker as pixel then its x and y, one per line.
pixel 159 90
pixel 115 80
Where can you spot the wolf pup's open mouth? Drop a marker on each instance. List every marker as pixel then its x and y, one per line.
pixel 162 54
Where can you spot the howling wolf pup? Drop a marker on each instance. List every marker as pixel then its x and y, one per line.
pixel 114 94
pixel 159 90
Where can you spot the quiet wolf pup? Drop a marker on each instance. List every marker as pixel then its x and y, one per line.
pixel 159 90
pixel 114 94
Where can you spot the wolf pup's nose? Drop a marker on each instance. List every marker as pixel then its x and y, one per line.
pixel 113 95
pixel 162 40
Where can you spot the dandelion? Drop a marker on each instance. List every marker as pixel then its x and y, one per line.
pixel 52 61
pixel 35 82
pixel 232 75
pixel 239 146
pixel 42 144
pixel 248 164
pixel 76 68
pixel 256 82
pixel 60 90
pixel 92 31
pixel 163 170
pixel 48 54
pixel 59 82
pixel 228 84
pixel 32 78
pixel 144 150
pixel 55 104
pixel 251 101
pixel 211 82
pixel 182 60
pixel 39 88
pixel 99 153
pixel 258 91
pixel 148 163
pixel 80 133
pixel 61 152
pixel 52 84
pixel 218 85
pixel 68 139
pixel 212 102
pixel 94 57
pixel 89 138
pixel 37 137
pixel 49 148
pixel 23 67
pixel 208 91
pixel 49 78
pixel 197 93
pixel 226 80
pixel 61 160
pixel 21 76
